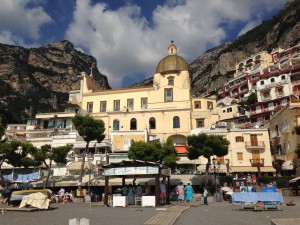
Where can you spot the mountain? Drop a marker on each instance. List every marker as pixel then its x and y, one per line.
pixel 39 79
pixel 217 66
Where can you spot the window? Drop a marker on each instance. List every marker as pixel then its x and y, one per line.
pixel 152 123
pixel 130 103
pixel 200 122
pixel 171 81
pixel 176 122
pixel 210 105
pixel 266 94
pixel 239 155
pixel 117 105
pixel 103 106
pixel 221 160
pixel 239 139
pixel 116 125
pixel 168 95
pixel 133 124
pixel 280 91
pixel 127 144
pixel 197 104
pixel 272 80
pixel 283 77
pixel 89 107
pixel 262 82
pixel 144 103
pixel 229 109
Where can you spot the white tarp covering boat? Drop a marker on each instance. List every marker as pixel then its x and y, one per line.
pixel 38 200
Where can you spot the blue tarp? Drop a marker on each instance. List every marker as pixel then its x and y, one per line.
pixel 255 197
pixel 22 177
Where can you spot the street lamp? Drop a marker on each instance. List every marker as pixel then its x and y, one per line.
pixel 215 168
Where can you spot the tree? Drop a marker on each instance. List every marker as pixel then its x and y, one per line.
pixel 89 129
pixel 47 154
pixel 17 154
pixel 2 128
pixel 154 152
pixel 207 146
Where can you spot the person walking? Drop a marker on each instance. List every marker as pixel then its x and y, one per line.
pixel 205 194
pixel 180 189
pixel 189 193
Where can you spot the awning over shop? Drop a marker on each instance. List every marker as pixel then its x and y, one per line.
pixel 92 144
pixel 251 169
pixel 186 160
pixel 287 165
pixel 181 149
pixel 77 165
pixel 202 168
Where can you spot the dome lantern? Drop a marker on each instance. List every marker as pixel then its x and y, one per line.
pixel 172 63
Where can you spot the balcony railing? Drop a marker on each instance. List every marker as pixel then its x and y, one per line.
pixel 254 144
pixel 257 162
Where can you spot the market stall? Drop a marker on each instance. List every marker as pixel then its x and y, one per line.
pixel 135 169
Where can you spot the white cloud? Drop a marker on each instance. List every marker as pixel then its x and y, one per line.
pixel 126 44
pixel 248 27
pixel 22 19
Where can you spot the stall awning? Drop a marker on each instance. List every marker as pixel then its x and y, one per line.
pixel 77 165
pixel 287 165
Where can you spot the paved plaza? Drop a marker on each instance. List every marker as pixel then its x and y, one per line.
pixel 213 214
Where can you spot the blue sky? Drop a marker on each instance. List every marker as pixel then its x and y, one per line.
pixel 129 37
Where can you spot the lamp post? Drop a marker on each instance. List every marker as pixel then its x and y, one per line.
pixel 216 166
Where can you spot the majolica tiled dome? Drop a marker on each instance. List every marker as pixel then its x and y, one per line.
pixel 172 63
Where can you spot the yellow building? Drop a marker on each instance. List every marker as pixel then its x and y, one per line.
pixel 248 152
pixel 165 109
pixel 284 140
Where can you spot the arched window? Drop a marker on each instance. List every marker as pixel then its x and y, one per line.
pixel 116 125
pixel 176 122
pixel 133 124
pixel 152 123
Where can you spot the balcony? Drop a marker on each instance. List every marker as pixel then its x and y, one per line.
pixel 257 162
pixel 255 144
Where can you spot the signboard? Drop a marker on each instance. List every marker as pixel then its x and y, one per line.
pixel 131 170
pixel 166 172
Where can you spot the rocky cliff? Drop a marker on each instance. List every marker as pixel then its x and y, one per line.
pixel 39 79
pixel 216 66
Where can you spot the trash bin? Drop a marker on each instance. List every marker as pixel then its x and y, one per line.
pixel 218 196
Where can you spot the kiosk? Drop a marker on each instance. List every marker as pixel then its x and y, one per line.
pixel 134 169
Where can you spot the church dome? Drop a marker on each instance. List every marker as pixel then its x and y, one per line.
pixel 172 63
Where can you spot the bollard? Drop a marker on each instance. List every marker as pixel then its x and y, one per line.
pixel 77 221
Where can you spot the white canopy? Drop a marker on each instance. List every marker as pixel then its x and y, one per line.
pixel 294 180
pixel 288 165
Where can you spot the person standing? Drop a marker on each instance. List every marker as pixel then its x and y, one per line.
pixel 205 194
pixel 147 188
pixel 61 194
pixel 180 189
pixel 163 192
pixel 189 193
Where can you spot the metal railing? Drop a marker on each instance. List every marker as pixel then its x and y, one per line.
pixel 252 144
